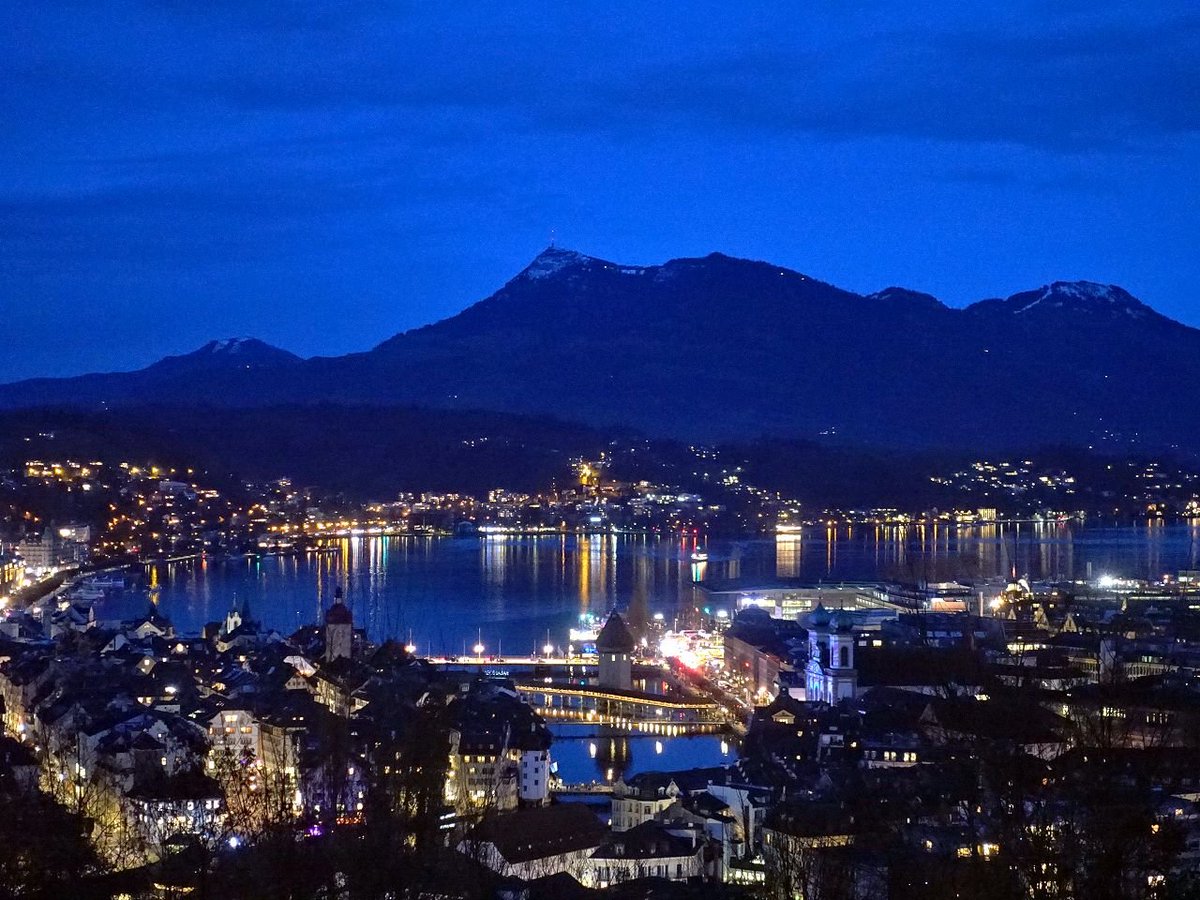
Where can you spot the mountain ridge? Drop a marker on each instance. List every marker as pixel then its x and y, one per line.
pixel 714 347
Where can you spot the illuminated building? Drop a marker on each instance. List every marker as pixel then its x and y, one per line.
pixel 614 645
pixel 830 675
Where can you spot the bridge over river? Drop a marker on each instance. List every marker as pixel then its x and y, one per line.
pixel 682 710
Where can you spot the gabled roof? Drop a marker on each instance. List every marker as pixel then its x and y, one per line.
pixel 646 785
pixel 615 636
pixel 706 804
pixel 650 840
pixel 809 819
pixel 538 832
pixel 923 666
pixel 1017 722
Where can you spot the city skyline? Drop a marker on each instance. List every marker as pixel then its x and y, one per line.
pixel 579 451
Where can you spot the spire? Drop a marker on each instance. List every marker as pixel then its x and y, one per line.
pixel 338 613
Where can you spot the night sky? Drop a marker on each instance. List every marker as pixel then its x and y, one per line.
pixel 176 171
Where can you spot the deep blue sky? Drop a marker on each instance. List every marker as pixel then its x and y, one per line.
pixel 173 171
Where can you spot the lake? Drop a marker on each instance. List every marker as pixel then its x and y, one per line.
pixel 515 593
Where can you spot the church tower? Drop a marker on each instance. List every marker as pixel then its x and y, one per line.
pixel 233 619
pixel 339 629
pixel 238 615
pixel 830 675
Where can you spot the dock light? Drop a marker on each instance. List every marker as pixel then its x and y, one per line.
pixel 410 648
pixel 478 648
pixel 547 650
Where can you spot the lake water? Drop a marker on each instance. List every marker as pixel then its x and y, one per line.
pixel 514 593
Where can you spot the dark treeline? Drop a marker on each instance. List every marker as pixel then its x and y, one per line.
pixel 377 452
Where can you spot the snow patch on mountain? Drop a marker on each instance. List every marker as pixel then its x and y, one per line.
pixel 1083 292
pixel 904 295
pixel 229 345
pixel 551 261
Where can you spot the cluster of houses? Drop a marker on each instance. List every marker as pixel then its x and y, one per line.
pixel 886 755
pixel 936 753
pixel 140 730
pixel 690 826
pixel 137 727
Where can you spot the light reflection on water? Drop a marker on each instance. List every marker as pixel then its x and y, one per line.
pixel 586 753
pixel 511 591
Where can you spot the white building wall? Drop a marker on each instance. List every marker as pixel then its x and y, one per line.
pixel 606 872
pixel 534 776
pixel 629 813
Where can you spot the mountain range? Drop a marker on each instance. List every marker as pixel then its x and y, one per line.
pixel 719 348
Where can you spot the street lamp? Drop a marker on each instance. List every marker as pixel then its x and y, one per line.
pixel 478 648
pixel 547 650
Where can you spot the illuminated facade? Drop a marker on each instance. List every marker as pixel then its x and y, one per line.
pixel 830 675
